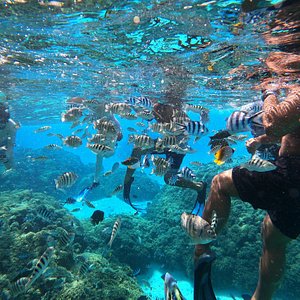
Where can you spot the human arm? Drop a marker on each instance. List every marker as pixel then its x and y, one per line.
pixel 282 118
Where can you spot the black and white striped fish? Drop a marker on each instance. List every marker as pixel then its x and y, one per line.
pixel 186 173
pixel 114 232
pixel 53 147
pixel 195 108
pixel 72 141
pixel 99 148
pixel 240 121
pixel 85 268
pixel 198 229
pixel 44 213
pixel 65 180
pixel 259 165
pixel 118 108
pixel 142 141
pixel 132 101
pixel 66 238
pixel 117 189
pixel 40 266
pixel 194 128
pixel 145 102
pixel 145 114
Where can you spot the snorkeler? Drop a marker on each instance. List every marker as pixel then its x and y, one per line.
pixel 276 191
pixel 163 114
pixel 8 130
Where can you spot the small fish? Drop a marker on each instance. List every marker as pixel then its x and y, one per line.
pixel 145 102
pixel 115 167
pixel 142 141
pixel 41 265
pixel 44 213
pixel 195 108
pixel 259 165
pixel 99 148
pixel 65 180
pixel 240 121
pixel 114 232
pixel 3 148
pixel 70 200
pixel 38 158
pixel 186 173
pixel 131 163
pixel 171 289
pixel 107 173
pixel 85 268
pixel 89 204
pixel 207 3
pixel 71 115
pixel 223 155
pixel 196 163
pixel 194 128
pixel 199 230
pixel 97 217
pixel 53 147
pixel 118 108
pixel 76 209
pixel 19 287
pixel 42 129
pixel 73 141
pixel 140 124
pixel 128 116
pixel 66 238
pixel 252 108
pixel 117 189
pixel 131 129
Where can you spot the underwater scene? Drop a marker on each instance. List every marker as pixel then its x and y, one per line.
pixel 149 149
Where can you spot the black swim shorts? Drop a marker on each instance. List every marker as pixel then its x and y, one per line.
pixel 277 192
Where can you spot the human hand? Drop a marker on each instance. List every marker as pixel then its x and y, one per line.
pixel 252 145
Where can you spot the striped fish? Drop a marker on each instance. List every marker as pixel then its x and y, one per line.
pixel 194 128
pixel 252 108
pixel 195 108
pixel 66 238
pixel 73 141
pixel 114 232
pixel 40 266
pixel 53 147
pixel 186 173
pixel 44 213
pixel 99 148
pixel 105 126
pixel 145 114
pixel 145 102
pixel 128 116
pixel 65 180
pixel 85 268
pixel 171 289
pixel 71 115
pixel 142 141
pixel 259 165
pixel 118 108
pixel 19 287
pixel 117 189
pixel 240 121
pixel 166 142
pixel 199 230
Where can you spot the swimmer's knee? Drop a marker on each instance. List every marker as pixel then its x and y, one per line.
pixel 272 237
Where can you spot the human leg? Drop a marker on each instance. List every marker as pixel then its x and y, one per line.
pixel 272 261
pixel 219 199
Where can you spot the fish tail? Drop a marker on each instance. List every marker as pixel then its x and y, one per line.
pixel 256 119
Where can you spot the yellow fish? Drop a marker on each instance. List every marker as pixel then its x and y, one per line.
pixel 223 154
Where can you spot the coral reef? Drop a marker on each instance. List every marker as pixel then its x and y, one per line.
pixel 31 222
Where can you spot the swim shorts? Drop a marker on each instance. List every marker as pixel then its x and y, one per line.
pixel 277 192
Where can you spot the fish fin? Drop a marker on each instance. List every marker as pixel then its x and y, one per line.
pixel 202 278
pixel 219 162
